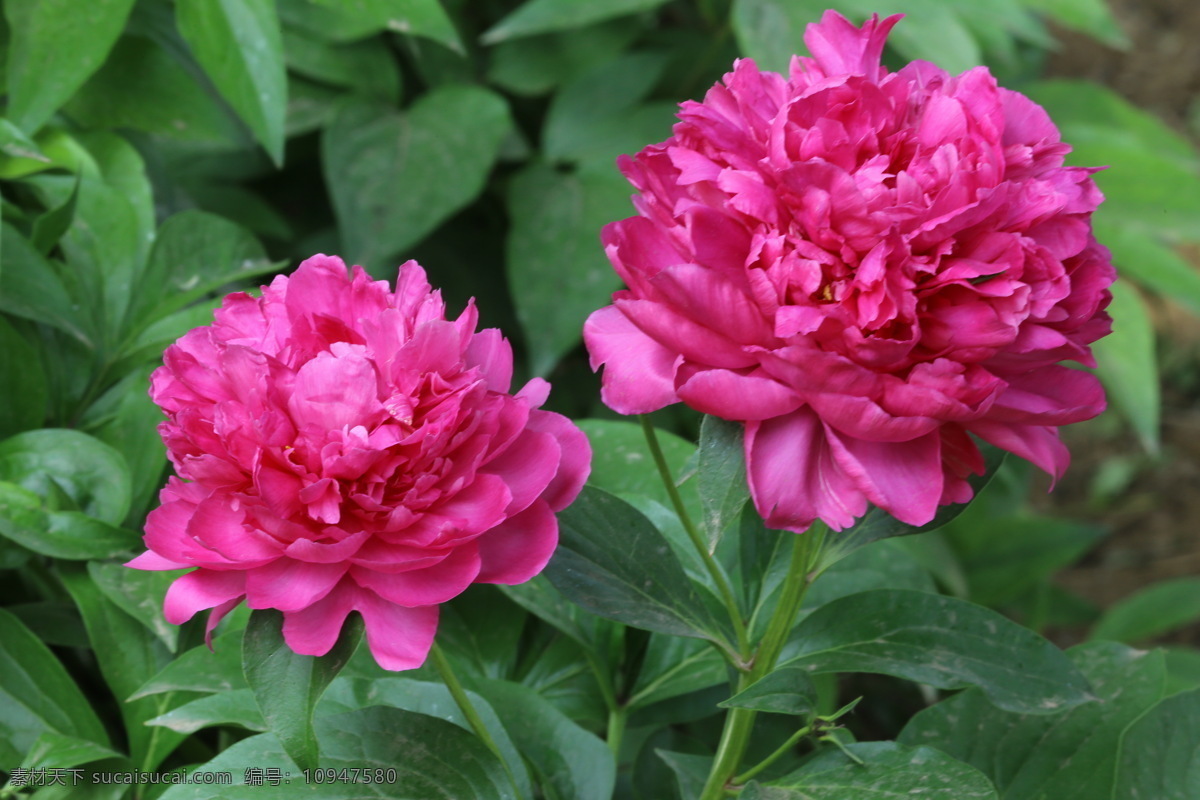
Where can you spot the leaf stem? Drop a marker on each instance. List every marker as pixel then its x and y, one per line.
pixel 714 570
pixel 468 709
pixel 771 759
pixel 806 549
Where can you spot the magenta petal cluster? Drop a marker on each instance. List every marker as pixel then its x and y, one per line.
pixel 869 269
pixel 341 447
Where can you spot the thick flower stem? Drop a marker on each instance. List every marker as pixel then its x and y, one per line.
pixel 722 583
pixel 806 549
pixel 468 709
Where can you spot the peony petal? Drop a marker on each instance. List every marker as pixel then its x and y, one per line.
pixel 518 548
pixel 694 341
pixel 399 637
pixel 314 629
pixel 331 393
pixel 1037 444
pixel 491 353
pixel 215 523
pixel 288 584
pixel 424 587
pixel 526 466
pixel 199 590
pixel 793 476
pixel 576 461
pixel 639 373
pixel 151 560
pixel 903 478
pixel 733 395
pixel 841 48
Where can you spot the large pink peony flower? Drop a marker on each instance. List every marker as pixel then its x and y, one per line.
pixel 346 448
pixel 866 268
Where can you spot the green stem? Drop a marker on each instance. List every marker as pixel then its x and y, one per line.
pixel 806 549
pixel 468 709
pixel 771 759
pixel 616 729
pixel 714 570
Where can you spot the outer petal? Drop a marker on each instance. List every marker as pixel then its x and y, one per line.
pixel 424 587
pixel 287 584
pixel 794 478
pixel 732 395
pixel 576 463
pixel 903 478
pixel 199 590
pixel 399 637
pixel 517 549
pixel 639 373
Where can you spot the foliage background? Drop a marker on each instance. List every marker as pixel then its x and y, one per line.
pixel 154 155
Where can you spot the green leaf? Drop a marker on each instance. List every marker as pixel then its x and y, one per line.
pixel 1142 257
pixel 287 685
pixel 436 760
pixel 58 462
pixel 884 770
pixel 20 370
pixel 1159 757
pixel 1127 365
pixel 537 64
pixel 879 565
pixel 568 759
pixel 556 268
pixel 786 690
pixel 691 771
pixel 612 561
pixel 422 697
pixel 538 596
pixel 348 20
pixel 139 593
pixel 69 535
pixel 31 288
pixel 235 708
pixel 14 143
pixel 1153 611
pixel 49 227
pixel 621 460
pixel 128 655
pixel 200 669
pixel 598 116
pixel 239 44
pixel 1070 755
pixel 56 46
pixel 540 16
pixel 721 475
pixel 365 67
pixel 37 695
pixel 144 87
pixel 674 666
pixel 394 177
pixel 941 641
pixel 53 750
pixel 196 253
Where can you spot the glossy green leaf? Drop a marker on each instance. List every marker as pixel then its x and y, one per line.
pixel 887 770
pixel 786 690
pixel 236 708
pixel 1153 611
pixel 58 462
pixel 414 745
pixel 540 16
pixel 287 685
pixel 482 630
pixel 15 143
pixel 394 177
pixel 69 535
pixel 721 475
pixel 144 87
pixel 239 44
pixel 621 460
pixel 31 288
pixel 568 759
pixel 423 697
pixel 21 371
pixel 37 695
pixel 1070 755
pixel 556 268
pixel 690 771
pixel 1127 364
pixel 128 654
pixel 50 226
pixel 200 669
pixel 348 20
pixel 53 750
pixel 612 561
pixel 139 593
pixel 196 253
pixel 367 67
pixel 1159 758
pixel 56 46
pixel 539 597
pixel 535 65
pixel 941 641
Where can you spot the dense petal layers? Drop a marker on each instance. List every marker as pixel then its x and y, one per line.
pixel 342 447
pixel 865 267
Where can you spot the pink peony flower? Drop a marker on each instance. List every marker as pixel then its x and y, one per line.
pixel 346 448
pixel 867 268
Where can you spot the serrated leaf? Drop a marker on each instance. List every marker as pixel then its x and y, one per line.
pixel 239 44
pixel 58 44
pixel 394 177
pixel 540 16
pixel 940 641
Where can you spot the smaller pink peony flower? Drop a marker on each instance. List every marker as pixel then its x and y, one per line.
pixel 343 447
pixel 868 269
